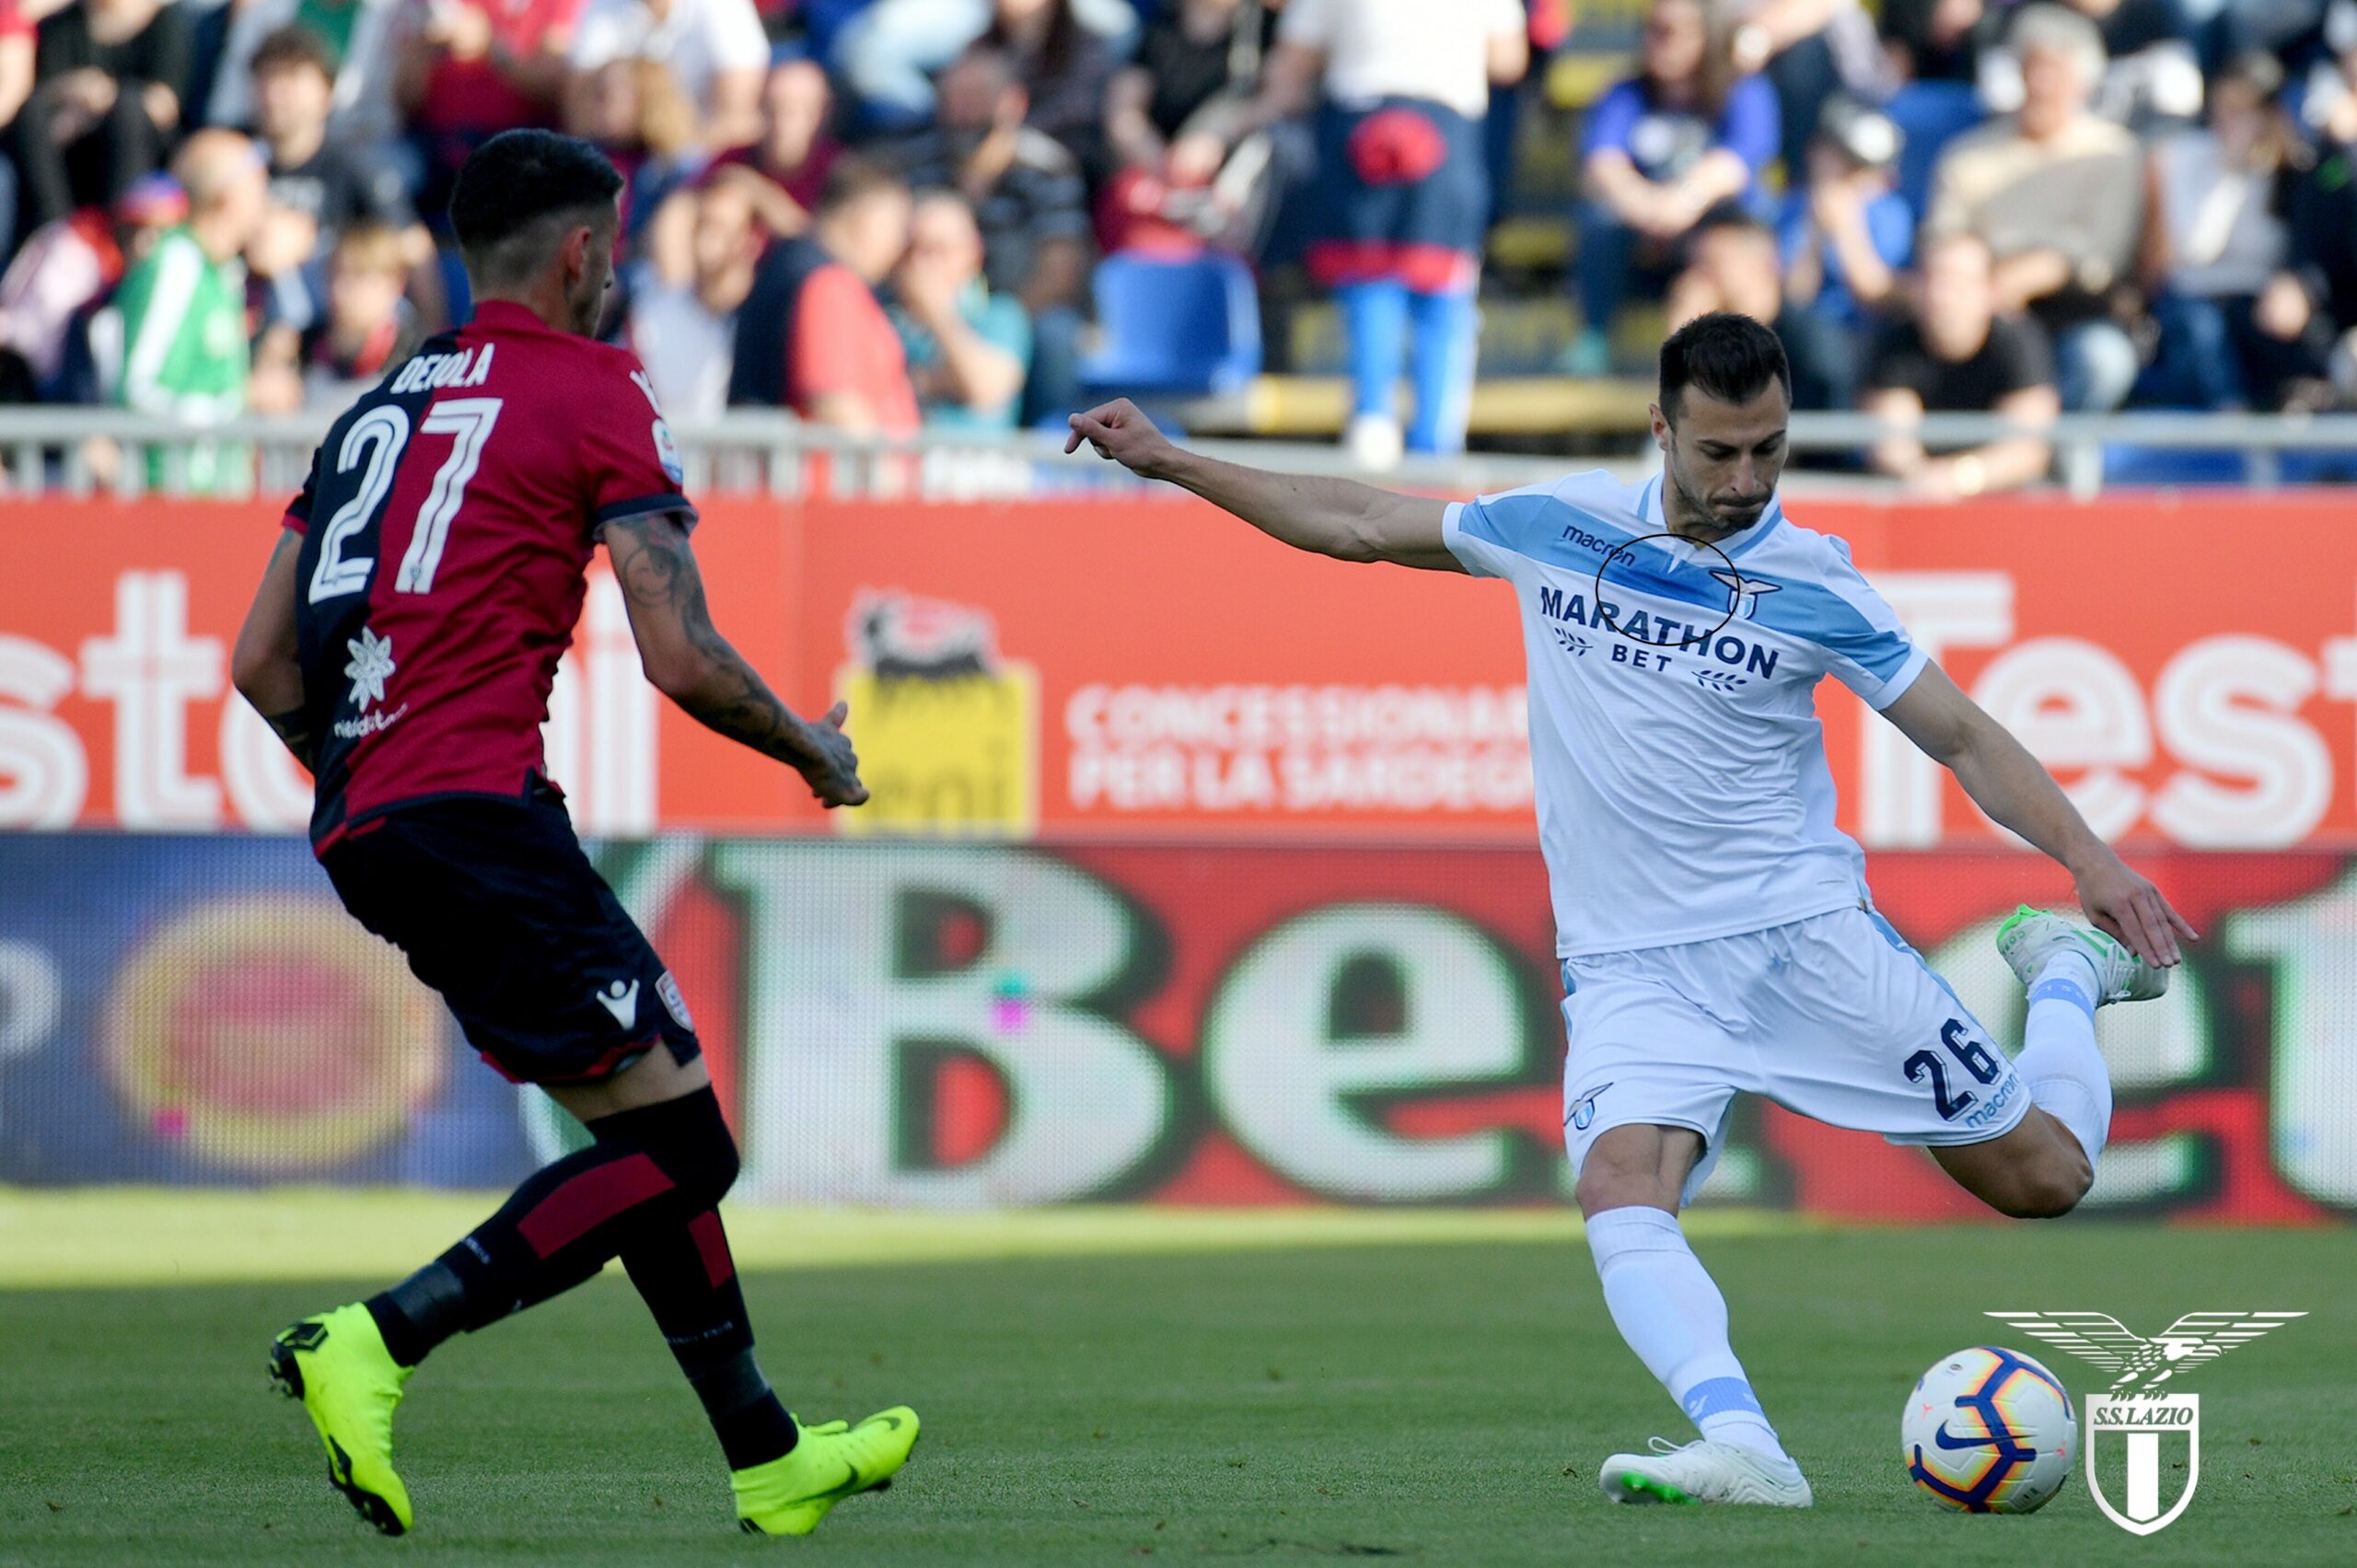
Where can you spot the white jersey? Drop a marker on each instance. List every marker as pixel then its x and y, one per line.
pixel 1682 788
pixel 1379 49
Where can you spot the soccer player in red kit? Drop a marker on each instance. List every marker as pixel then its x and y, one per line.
pixel 402 643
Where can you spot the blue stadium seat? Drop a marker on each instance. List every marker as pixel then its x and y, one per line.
pixel 2317 467
pixel 1176 326
pixel 1930 115
pixel 2125 464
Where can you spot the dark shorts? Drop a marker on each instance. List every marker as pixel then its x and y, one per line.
pixel 1425 231
pixel 497 909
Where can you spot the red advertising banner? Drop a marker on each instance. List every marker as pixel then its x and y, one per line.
pixel 924 1024
pixel 1147 667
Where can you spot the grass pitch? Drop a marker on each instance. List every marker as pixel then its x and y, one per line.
pixel 1176 1390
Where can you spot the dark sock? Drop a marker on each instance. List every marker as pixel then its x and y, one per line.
pixel 649 1172
pixel 419 1312
pixel 688 1279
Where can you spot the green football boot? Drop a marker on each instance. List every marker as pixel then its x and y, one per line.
pixel 337 1365
pixel 788 1497
pixel 2031 936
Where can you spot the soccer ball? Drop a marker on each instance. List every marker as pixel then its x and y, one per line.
pixel 1989 1431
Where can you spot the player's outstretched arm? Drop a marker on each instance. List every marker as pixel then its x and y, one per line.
pixel 266 663
pixel 689 662
pixel 2015 788
pixel 1327 517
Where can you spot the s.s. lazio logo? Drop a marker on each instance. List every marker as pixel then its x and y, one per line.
pixel 2137 1411
pixel 1582 1114
pixel 1744 594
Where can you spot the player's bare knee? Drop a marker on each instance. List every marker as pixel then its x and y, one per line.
pixel 2046 1188
pixel 1611 1187
pixel 1635 1167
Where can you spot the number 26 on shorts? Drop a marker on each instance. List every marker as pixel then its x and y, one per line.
pixel 1969 1054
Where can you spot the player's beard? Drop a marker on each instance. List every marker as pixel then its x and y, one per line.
pixel 588 303
pixel 1694 508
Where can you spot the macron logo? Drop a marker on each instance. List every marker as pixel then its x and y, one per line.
pixel 622 1002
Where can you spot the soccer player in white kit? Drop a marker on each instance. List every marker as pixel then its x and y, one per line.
pixel 1715 926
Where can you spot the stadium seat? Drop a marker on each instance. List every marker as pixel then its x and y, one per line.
pixel 1930 115
pixel 2317 468
pixel 1317 408
pixel 2125 464
pixel 1184 326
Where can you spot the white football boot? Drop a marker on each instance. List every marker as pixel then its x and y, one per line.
pixel 2030 937
pixel 1705 1471
pixel 1376 442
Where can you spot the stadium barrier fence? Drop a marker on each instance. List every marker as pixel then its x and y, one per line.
pixel 80 451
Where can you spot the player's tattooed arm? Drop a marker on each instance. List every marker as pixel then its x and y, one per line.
pixel 688 660
pixel 266 663
pixel 294 729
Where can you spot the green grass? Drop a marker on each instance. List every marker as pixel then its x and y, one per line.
pixel 1426 1402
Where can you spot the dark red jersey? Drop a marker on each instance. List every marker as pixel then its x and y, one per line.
pixel 447 527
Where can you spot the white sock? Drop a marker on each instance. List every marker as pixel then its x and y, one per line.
pixel 2065 1072
pixel 1674 1317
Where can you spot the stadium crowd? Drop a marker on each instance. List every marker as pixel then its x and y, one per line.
pixel 885 214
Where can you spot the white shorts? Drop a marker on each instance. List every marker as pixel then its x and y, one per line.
pixel 1834 1017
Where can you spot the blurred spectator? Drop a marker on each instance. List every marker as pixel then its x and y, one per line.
pixel 1731 264
pixel 1959 355
pixel 633 111
pixel 1846 238
pixel 1687 131
pixel 2154 73
pixel 684 331
pixel 1173 125
pixel 358 37
pixel 466 70
pixel 366 329
pixel 106 102
pixel 890 51
pixel 278 256
pixel 1026 190
pixel 16 48
pixel 1807 50
pixel 968 348
pixel 1028 195
pixel 2321 197
pixel 812 336
pixel 1064 66
pixel 1933 40
pixel 331 182
pixel 2236 326
pixel 64 269
pixel 796 147
pixel 175 342
pixel 1405 191
pixel 714 50
pixel 2057 193
pixel 791 160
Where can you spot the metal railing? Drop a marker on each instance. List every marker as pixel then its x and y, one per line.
pixel 87 451
pixel 2080 440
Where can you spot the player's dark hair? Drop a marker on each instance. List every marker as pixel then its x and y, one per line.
pixel 518 190
pixel 852 178
pixel 1728 356
pixel 292 45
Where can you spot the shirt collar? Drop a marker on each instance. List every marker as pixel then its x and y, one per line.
pixel 1654 515
pixel 507 316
